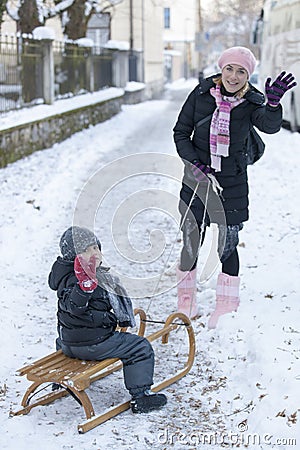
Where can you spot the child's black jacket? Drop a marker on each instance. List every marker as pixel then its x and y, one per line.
pixel 83 318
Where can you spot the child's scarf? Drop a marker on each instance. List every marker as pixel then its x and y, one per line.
pixel 118 297
pixel 219 128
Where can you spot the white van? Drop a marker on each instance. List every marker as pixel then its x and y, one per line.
pixel 279 39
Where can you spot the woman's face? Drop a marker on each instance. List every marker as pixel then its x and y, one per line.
pixel 234 77
pixel 93 251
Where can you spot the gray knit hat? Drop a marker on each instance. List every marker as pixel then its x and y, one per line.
pixel 76 240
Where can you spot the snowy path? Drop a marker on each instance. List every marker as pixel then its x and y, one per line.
pixel 249 364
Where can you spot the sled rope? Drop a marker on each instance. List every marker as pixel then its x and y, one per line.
pixel 37 392
pixel 163 323
pixel 172 248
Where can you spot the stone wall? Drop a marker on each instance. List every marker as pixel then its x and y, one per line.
pixel 135 96
pixel 22 140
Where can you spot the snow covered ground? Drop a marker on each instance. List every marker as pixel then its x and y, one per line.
pixel 123 178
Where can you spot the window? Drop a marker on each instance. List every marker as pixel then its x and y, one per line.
pixel 167 17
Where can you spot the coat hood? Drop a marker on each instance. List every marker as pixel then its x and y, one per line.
pixel 60 270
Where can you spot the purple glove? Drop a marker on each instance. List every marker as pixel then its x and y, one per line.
pixel 200 171
pixel 281 85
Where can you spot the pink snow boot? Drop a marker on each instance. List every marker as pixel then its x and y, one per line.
pixel 227 297
pixel 186 289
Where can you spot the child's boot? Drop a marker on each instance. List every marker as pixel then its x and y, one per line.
pixel 227 297
pixel 187 289
pixel 147 401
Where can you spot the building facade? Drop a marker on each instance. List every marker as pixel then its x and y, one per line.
pixel 182 26
pixel 140 23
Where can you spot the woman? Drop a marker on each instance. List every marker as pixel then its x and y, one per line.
pixel 210 137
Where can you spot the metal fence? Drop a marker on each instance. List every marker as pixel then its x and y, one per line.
pixel 31 70
pixel 10 73
pixel 77 70
pixel 102 68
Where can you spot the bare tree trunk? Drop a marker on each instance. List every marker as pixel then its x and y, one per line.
pixel 2 9
pixel 29 16
pixel 231 22
pixel 77 20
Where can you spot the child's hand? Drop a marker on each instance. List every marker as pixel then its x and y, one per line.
pixel 85 272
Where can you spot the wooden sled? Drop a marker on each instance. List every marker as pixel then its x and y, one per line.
pixel 74 376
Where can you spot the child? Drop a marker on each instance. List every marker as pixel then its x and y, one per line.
pixel 91 302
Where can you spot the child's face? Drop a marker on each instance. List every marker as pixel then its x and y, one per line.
pixel 93 250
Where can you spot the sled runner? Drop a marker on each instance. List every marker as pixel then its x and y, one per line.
pixel 73 376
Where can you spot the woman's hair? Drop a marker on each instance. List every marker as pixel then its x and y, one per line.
pixel 238 94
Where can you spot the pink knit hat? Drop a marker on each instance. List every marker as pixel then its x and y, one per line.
pixel 238 55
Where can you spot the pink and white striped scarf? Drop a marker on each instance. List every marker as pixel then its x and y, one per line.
pixel 219 128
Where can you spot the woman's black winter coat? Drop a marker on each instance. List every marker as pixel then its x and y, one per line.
pixel 82 318
pixel 193 144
